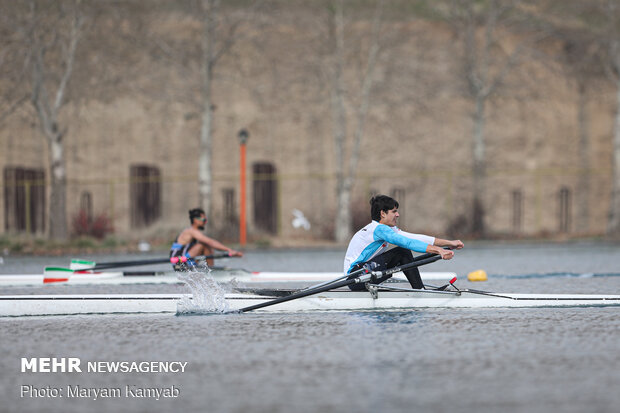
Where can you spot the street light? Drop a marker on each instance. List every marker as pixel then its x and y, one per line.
pixel 243 139
pixel 243 136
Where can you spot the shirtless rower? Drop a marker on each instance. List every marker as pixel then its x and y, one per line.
pixel 191 242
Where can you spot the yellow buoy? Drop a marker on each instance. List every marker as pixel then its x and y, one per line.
pixel 478 275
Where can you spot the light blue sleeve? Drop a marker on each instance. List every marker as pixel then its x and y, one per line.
pixel 385 233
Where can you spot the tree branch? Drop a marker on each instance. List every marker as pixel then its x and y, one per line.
pixel 69 60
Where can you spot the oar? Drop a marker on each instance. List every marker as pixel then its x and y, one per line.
pixel 365 276
pixel 60 274
pixel 91 265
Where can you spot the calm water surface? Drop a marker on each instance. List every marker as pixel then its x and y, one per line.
pixel 459 360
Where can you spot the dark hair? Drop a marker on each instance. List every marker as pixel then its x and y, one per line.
pixel 195 213
pixel 381 203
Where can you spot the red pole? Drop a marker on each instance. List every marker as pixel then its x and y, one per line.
pixel 242 233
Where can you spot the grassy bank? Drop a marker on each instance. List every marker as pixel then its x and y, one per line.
pixel 19 245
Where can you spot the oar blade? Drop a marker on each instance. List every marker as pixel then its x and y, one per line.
pixel 56 275
pixel 77 264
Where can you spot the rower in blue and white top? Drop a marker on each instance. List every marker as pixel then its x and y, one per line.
pixel 383 243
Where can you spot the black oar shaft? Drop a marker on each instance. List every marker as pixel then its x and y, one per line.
pixel 424 256
pixel 419 262
pixel 302 294
pixel 136 263
pixel 106 265
pixel 343 283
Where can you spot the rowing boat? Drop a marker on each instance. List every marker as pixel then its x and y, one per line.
pixel 376 299
pixel 61 276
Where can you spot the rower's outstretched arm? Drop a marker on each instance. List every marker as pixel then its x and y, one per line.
pixel 215 244
pixel 456 244
pixel 437 242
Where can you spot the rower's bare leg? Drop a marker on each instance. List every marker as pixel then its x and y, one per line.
pixel 202 249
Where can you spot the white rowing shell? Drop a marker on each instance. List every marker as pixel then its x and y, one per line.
pixel 29 305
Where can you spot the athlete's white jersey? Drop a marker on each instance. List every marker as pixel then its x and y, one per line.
pixel 376 238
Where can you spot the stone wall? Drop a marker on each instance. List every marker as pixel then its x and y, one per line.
pixel 417 140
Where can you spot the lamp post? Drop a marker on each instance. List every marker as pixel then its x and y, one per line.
pixel 243 139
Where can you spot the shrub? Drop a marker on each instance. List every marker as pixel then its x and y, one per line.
pixel 99 227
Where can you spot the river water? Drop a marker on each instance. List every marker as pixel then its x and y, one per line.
pixel 458 360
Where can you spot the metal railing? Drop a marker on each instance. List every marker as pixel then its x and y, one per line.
pixel 444 187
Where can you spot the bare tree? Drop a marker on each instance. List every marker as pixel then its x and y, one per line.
pixel 210 57
pixel 580 57
pixel 348 150
pixel 611 38
pixel 482 27
pixel 12 65
pixel 585 59
pixel 14 97
pixel 52 38
pixel 220 34
pixel 195 62
pixel 601 19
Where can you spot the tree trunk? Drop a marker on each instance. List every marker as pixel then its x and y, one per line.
pixel 342 225
pixel 204 160
pixel 583 190
pixel 343 215
pixel 58 195
pixel 205 173
pixel 48 111
pixel 346 171
pixel 479 167
pixel 613 225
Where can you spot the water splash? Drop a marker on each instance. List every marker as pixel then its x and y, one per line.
pixel 207 295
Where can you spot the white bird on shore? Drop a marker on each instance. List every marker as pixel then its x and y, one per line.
pixel 300 220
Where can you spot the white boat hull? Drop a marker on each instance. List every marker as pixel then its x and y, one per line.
pixel 120 278
pixel 33 305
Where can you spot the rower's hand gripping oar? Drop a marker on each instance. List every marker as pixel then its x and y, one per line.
pixel 366 276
